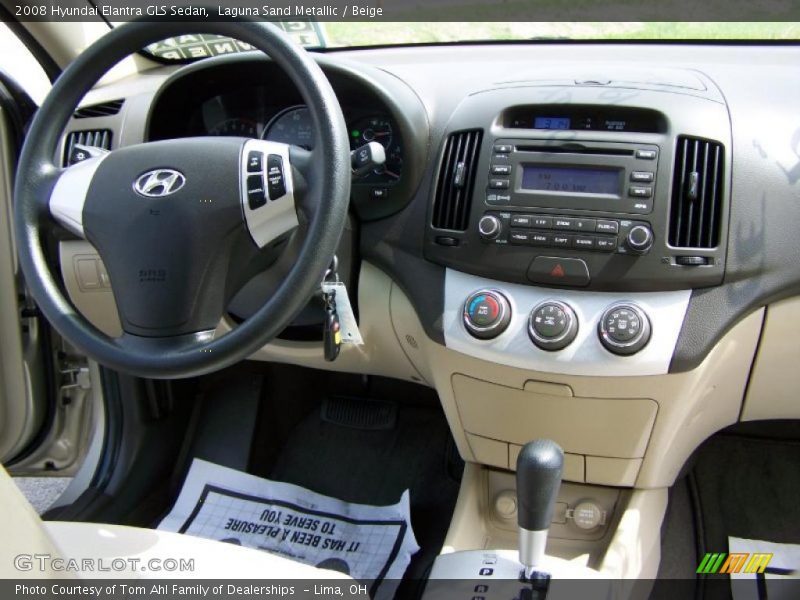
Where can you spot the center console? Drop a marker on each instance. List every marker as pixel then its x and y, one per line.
pixel 573 232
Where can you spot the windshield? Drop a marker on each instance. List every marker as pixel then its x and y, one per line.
pixel 355 34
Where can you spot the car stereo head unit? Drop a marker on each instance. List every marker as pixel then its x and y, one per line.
pixel 605 177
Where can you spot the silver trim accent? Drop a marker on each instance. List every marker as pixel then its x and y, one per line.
pixel 586 355
pixel 69 193
pixel 278 216
pixel 166 181
pixel 531 549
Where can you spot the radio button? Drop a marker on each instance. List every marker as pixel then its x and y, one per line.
pixel 640 191
pixel 498 198
pixel 499 184
pixel 607 244
pixel 643 154
pixel 585 242
pixel 541 239
pixel 519 237
pixel 562 241
pixel 551 270
pixel 503 148
pixel 540 222
pixel 607 227
pixel 642 176
pixel 563 223
pixel 587 225
pixel 501 169
pixel 522 220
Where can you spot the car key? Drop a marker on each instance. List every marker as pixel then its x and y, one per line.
pixel 331 334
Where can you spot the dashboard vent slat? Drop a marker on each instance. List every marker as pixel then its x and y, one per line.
pixel 696 193
pixel 100 138
pixel 456 180
pixel 104 109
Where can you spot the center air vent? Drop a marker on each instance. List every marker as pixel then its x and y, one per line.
pixel 456 180
pixel 105 109
pixel 697 187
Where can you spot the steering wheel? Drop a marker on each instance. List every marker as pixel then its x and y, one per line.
pixel 182 224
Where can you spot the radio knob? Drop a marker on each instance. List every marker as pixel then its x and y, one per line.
pixel 487 314
pixel 640 239
pixel 489 227
pixel 624 329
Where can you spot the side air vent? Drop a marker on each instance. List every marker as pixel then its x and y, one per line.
pixel 105 109
pixel 100 138
pixel 697 188
pixel 456 180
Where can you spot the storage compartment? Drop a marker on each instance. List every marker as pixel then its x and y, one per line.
pixel 604 427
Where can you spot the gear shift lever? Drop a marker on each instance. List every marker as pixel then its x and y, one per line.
pixel 539 467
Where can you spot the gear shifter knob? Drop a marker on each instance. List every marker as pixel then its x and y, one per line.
pixel 539 467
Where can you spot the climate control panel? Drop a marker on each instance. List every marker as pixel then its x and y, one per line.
pixel 552 325
pixel 569 331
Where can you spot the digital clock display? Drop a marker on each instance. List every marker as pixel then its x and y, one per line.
pixel 574 180
pixel 551 123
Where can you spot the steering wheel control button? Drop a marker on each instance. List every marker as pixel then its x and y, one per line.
pixel 487 314
pixel 639 239
pixel 552 325
pixel 275 182
pixel 551 270
pixel 624 329
pixel 256 197
pixel 255 161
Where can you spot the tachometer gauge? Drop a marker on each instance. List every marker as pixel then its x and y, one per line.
pixel 379 129
pixel 292 126
pixel 235 127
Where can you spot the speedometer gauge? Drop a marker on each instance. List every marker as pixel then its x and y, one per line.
pixel 379 129
pixel 292 126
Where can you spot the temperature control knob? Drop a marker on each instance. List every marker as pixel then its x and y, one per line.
pixel 624 329
pixel 552 325
pixel 489 227
pixel 640 239
pixel 486 314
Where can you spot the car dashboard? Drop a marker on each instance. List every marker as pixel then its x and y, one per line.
pixel 591 242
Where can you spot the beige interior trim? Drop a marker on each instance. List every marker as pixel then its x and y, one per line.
pixel 22 524
pixel 775 381
pixel 689 406
pixel 19 417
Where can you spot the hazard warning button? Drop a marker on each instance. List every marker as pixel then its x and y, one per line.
pixel 552 270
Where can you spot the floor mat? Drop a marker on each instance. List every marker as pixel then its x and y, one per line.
pixel 374 466
pixel 745 486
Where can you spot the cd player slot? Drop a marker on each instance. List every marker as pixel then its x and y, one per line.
pixel 576 150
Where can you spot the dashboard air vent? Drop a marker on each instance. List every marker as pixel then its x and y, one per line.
pixel 697 186
pixel 456 180
pixel 99 138
pixel 105 109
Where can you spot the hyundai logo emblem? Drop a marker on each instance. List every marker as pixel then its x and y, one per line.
pixel 159 183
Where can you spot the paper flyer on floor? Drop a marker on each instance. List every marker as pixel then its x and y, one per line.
pixel 370 543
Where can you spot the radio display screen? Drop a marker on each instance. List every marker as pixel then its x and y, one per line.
pixel 576 180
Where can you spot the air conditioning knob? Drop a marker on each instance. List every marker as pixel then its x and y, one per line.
pixel 552 325
pixel 640 239
pixel 624 329
pixel 489 227
pixel 487 314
